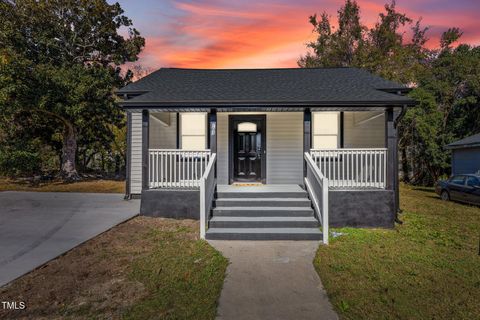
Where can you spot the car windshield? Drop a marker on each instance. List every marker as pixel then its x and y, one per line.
pixel 458 180
pixel 473 182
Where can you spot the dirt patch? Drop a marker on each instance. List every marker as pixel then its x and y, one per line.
pixel 94 279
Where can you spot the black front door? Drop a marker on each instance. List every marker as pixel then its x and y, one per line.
pixel 248 152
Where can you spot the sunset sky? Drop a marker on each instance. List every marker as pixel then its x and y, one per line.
pixel 265 33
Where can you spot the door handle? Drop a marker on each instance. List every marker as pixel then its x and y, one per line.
pixel 259 153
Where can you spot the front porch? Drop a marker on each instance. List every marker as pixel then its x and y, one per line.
pixel 349 147
pixel 344 170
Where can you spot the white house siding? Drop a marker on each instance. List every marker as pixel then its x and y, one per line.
pixel 162 136
pixel 364 129
pixel 284 147
pixel 136 153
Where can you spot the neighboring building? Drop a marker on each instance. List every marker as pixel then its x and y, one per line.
pixel 466 155
pixel 265 153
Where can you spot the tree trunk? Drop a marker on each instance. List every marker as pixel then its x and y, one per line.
pixel 405 167
pixel 69 171
pixel 84 160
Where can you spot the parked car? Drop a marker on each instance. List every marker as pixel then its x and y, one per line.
pixel 461 187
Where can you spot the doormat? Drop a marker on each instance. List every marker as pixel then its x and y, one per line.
pixel 248 185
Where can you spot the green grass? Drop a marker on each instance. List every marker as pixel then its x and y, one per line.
pixel 145 268
pixel 184 279
pixel 426 268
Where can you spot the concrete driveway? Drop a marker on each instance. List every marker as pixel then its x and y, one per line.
pixel 36 227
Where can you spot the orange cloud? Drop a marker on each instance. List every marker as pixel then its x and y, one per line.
pixel 216 34
pixel 236 38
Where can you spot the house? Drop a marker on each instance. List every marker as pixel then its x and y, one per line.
pixel 466 155
pixel 265 153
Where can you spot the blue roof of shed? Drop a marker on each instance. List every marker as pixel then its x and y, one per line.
pixel 468 142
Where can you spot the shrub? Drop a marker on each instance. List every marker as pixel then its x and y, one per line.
pixel 19 163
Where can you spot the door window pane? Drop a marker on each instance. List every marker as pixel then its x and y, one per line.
pixel 247 127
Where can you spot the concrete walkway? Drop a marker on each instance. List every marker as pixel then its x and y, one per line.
pixel 272 280
pixel 36 227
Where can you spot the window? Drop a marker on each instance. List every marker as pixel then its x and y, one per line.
pixel 458 180
pixel 193 131
pixel 247 127
pixel 473 182
pixel 326 130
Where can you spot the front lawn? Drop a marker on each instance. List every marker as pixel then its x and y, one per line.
pixel 426 268
pixel 94 186
pixel 146 268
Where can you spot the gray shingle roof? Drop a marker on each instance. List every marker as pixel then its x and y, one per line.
pixel 466 142
pixel 316 86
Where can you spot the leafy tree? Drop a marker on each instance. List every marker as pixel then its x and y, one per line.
pixel 447 80
pixel 60 60
pixel 62 32
pixel 388 53
pixel 139 71
pixel 422 139
pixel 448 37
pixel 452 81
pixel 336 49
pixel 381 49
pixel 15 162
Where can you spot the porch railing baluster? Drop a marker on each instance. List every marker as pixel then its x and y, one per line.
pixel 352 168
pixel 172 168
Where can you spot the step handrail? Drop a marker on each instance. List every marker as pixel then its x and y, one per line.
pixel 317 186
pixel 208 184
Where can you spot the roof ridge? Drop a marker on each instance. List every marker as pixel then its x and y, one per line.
pixel 247 69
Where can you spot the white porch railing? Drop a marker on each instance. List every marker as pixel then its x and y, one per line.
pixel 317 187
pixel 207 191
pixel 352 168
pixel 173 168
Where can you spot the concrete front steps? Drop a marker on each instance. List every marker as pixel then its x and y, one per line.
pixel 264 212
